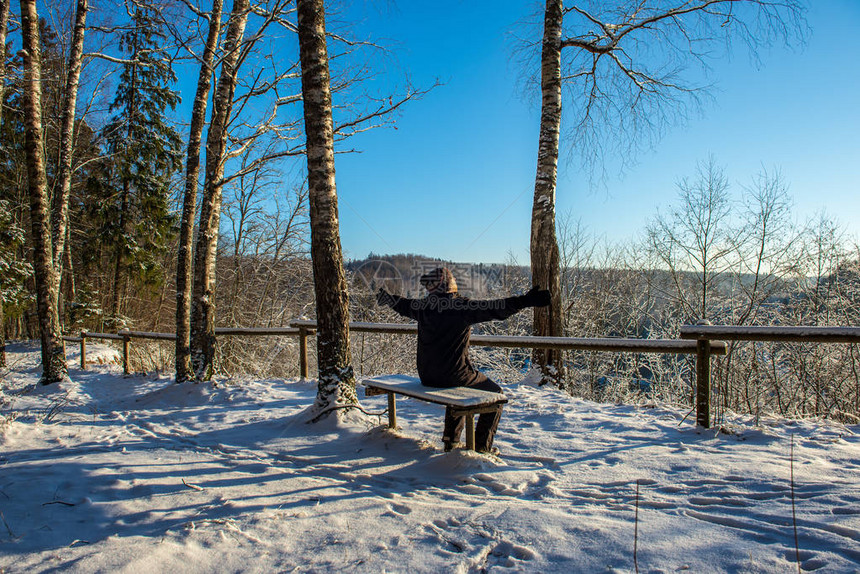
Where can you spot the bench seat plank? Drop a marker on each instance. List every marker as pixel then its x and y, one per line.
pixel 458 397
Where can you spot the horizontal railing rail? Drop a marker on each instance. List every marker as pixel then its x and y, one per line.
pixel 796 334
pixel 364 327
pixel 108 336
pixel 608 344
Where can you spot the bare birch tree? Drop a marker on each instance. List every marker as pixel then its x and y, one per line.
pixel 189 206
pixel 624 64
pixel 67 123
pixel 546 271
pixel 4 24
pixel 767 247
pixel 696 238
pixel 47 281
pixel 336 385
pixel 269 82
pixel 202 307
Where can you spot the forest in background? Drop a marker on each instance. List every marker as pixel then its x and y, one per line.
pixel 117 172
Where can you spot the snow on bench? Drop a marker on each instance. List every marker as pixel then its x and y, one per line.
pixel 459 401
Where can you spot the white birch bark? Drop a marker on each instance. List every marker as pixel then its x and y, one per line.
pixel 192 172
pixel 203 301
pixel 4 23
pixel 336 386
pixel 47 286
pixel 544 245
pixel 67 124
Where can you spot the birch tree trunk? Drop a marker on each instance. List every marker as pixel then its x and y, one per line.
pixel 4 24
pixel 203 302
pixel 192 173
pixel 47 286
pixel 67 125
pixel 544 245
pixel 336 384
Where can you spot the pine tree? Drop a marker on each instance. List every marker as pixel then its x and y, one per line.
pixel 14 272
pixel 146 152
pixel 88 253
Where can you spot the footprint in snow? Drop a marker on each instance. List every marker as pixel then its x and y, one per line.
pixel 449 523
pixel 501 555
pixel 473 489
pixel 498 487
pixel 515 551
pixel 253 468
pixel 809 561
pixel 400 509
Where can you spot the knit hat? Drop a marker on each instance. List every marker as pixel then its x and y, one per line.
pixel 439 280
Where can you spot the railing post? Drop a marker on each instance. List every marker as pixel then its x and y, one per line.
pixel 303 353
pixel 83 351
pixel 703 380
pixel 126 340
pixel 392 412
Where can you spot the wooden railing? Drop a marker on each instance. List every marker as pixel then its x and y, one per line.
pixel 702 349
pixel 126 336
pixel 702 340
pixel 303 328
pixel 705 334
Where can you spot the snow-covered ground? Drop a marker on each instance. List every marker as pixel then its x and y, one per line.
pixel 106 473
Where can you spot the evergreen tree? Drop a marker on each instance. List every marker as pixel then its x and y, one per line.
pixel 86 275
pixel 14 272
pixel 146 152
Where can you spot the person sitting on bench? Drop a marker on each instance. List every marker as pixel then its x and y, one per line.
pixel 444 324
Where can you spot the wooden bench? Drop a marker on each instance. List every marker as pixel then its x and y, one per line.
pixel 461 401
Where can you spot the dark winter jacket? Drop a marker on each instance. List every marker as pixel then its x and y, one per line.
pixel 444 322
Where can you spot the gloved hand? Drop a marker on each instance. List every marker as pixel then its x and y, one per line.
pixel 383 297
pixel 537 297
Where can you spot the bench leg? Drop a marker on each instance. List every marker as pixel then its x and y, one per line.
pixel 392 412
pixel 470 431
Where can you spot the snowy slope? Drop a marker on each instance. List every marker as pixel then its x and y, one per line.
pixel 112 474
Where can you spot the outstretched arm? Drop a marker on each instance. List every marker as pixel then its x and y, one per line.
pixel 400 305
pixel 500 309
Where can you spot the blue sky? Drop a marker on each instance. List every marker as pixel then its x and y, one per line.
pixel 455 179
